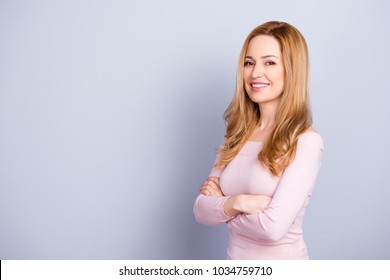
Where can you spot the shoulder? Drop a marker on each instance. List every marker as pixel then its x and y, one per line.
pixel 311 138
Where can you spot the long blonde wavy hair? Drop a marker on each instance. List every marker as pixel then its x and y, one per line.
pixel 293 116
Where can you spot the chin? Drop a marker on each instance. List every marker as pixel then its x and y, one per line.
pixel 256 98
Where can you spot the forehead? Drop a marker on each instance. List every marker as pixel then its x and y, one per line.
pixel 262 45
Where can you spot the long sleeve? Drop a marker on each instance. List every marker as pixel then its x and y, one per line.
pixel 208 210
pixel 291 195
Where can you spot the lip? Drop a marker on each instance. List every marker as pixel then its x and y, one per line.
pixel 258 86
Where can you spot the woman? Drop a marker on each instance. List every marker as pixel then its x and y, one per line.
pixel 267 166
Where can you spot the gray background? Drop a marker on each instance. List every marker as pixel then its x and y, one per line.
pixel 110 112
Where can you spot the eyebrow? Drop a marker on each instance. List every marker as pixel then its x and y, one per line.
pixel 263 57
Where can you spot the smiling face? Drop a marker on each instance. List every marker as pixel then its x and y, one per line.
pixel 264 70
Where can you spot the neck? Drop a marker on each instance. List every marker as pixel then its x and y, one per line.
pixel 267 115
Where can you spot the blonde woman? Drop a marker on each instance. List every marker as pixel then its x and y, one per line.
pixel 267 166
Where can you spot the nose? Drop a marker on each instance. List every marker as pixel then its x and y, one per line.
pixel 258 71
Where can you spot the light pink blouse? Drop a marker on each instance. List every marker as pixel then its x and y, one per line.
pixel 275 233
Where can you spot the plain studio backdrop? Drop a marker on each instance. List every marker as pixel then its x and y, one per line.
pixel 111 111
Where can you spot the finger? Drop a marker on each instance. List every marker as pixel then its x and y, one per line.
pixel 210 191
pixel 214 186
pixel 205 192
pixel 207 189
pixel 213 192
pixel 210 184
pixel 214 179
pixel 205 183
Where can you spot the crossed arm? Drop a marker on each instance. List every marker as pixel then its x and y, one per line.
pixel 237 204
pixel 259 216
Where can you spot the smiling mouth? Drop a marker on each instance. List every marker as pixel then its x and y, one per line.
pixel 257 85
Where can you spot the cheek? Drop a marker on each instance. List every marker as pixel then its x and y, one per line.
pixel 279 86
pixel 246 75
pixel 278 78
pixel 247 79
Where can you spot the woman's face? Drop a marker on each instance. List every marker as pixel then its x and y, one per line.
pixel 263 70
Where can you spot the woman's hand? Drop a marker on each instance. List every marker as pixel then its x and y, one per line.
pixel 246 203
pixel 211 187
pixel 253 203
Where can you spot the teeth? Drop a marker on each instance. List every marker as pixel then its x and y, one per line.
pixel 259 85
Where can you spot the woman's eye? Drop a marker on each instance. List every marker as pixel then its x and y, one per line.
pixel 270 63
pixel 248 63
